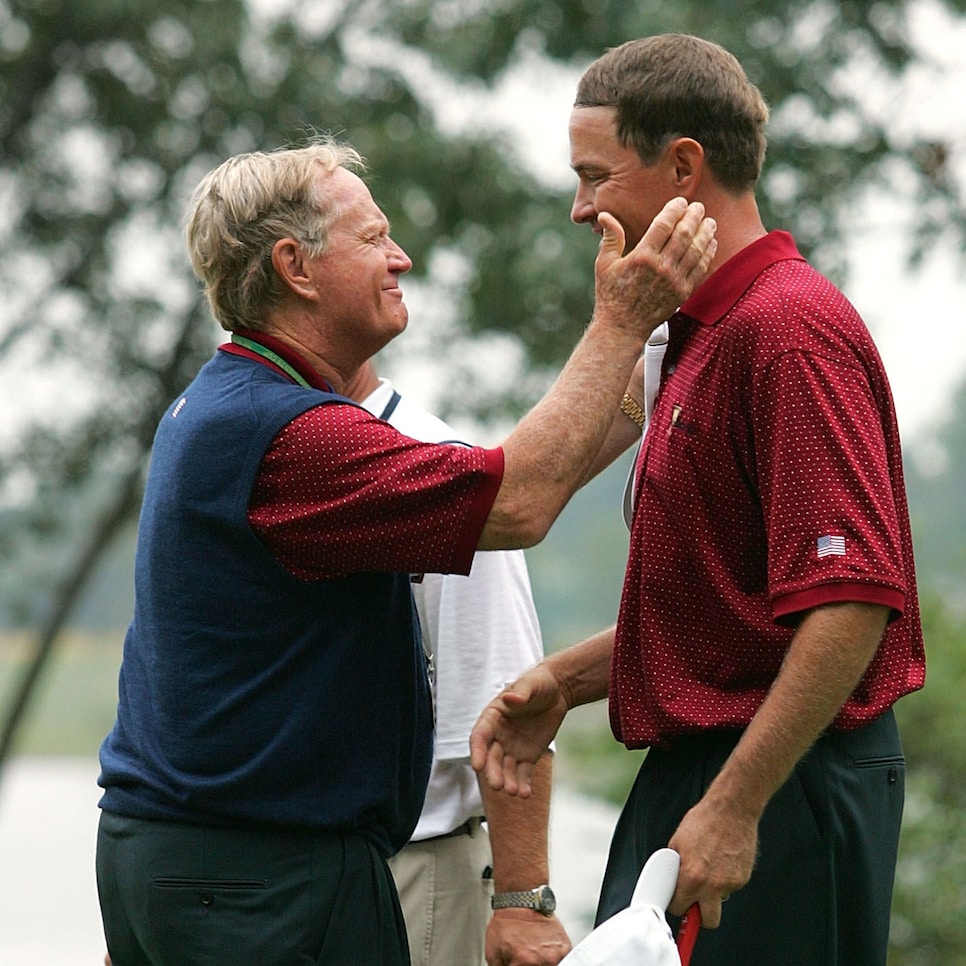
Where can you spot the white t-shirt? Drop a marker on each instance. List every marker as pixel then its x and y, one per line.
pixel 481 632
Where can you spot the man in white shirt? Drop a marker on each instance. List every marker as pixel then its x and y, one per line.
pixel 480 632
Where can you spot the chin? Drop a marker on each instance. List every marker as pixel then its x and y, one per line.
pixel 402 323
pixel 391 332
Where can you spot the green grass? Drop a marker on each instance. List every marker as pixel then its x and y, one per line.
pixel 590 759
pixel 73 705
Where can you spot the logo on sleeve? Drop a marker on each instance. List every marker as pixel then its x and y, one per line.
pixel 831 545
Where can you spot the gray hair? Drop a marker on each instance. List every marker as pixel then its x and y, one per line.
pixel 245 205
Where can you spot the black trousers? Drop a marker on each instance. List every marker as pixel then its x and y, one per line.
pixel 183 895
pixel 821 891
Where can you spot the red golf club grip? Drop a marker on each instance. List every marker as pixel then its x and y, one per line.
pixel 688 933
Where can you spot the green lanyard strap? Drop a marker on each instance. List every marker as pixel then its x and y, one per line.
pixel 274 357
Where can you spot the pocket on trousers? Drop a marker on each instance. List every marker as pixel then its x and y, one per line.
pixel 219 920
pixel 176 882
pixel 880 761
pixel 204 893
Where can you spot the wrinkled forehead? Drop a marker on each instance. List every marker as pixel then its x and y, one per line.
pixel 351 201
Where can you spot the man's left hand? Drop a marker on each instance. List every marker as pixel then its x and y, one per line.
pixel 522 937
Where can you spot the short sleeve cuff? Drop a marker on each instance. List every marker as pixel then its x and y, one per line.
pixel 787 608
pixel 493 464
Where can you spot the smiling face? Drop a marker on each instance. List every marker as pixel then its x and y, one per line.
pixel 612 177
pixel 357 276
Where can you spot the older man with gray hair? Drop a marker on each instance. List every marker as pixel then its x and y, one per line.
pixel 274 725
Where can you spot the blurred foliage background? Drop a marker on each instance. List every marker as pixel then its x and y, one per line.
pixel 111 110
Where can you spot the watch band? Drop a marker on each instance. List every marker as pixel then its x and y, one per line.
pixel 541 900
pixel 631 408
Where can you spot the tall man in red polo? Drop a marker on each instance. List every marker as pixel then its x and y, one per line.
pixel 769 617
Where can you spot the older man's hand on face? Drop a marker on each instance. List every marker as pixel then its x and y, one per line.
pixel 647 285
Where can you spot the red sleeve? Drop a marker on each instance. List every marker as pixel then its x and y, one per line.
pixel 826 486
pixel 340 491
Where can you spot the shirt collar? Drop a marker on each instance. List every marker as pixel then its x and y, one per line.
pixel 293 358
pixel 714 298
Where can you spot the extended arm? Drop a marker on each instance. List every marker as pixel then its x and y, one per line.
pixel 518 836
pixel 517 726
pixel 549 455
pixel 717 838
pixel 624 431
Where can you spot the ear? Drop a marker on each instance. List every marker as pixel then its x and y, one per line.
pixel 686 157
pixel 292 268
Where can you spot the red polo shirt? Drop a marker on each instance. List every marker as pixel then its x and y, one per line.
pixel 769 482
pixel 340 491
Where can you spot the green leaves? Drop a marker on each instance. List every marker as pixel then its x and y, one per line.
pixel 111 110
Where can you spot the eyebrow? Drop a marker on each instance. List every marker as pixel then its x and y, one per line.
pixel 377 222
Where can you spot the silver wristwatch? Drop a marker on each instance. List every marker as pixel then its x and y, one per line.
pixel 541 900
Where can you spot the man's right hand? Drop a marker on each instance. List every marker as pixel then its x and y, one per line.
pixel 643 288
pixel 550 454
pixel 516 728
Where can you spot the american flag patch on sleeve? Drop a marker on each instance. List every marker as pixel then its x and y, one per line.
pixel 831 546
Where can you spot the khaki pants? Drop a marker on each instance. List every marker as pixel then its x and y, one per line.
pixel 445 897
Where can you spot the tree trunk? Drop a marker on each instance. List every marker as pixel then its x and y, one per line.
pixel 122 510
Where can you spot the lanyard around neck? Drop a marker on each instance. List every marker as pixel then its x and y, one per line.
pixel 272 357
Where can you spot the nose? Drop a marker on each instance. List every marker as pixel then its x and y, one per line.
pixel 399 261
pixel 582 210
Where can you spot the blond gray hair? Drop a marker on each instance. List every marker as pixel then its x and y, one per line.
pixel 243 207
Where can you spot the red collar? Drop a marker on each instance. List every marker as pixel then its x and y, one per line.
pixel 714 298
pixel 280 348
